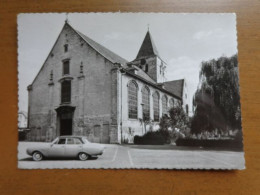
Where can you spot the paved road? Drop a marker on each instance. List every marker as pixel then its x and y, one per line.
pixel 124 156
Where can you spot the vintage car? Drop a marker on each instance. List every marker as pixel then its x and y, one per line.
pixel 66 147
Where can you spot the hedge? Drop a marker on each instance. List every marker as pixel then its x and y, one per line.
pixel 230 143
pixel 150 138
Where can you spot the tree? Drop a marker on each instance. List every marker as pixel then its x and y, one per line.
pixel 217 100
pixel 178 118
pixel 177 121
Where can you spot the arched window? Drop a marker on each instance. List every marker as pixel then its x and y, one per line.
pixel 65 91
pixel 132 100
pixel 66 67
pixel 187 109
pixel 171 103
pixel 156 108
pixel 146 103
pixel 164 105
pixel 177 103
pixel 66 48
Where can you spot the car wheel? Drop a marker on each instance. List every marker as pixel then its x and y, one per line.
pixel 83 156
pixel 37 156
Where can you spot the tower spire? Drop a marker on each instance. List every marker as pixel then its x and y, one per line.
pixel 148 47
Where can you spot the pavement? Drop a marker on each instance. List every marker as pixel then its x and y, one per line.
pixel 140 157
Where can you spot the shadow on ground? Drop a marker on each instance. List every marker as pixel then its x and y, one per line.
pixel 57 159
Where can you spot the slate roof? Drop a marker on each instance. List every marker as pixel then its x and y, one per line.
pixel 175 87
pixel 147 48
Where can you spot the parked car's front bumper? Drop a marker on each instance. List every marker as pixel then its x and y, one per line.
pixel 29 152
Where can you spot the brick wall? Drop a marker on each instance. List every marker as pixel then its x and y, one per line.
pixel 90 91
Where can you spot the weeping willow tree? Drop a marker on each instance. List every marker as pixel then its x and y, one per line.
pixel 217 101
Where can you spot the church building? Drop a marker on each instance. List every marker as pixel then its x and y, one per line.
pixel 85 89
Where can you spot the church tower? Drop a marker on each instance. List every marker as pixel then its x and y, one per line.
pixel 148 60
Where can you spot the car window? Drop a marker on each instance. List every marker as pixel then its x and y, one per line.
pixel 70 141
pixel 77 141
pixel 62 141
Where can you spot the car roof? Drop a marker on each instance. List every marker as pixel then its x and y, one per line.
pixel 71 136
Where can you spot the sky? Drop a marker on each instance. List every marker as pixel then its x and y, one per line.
pixel 182 40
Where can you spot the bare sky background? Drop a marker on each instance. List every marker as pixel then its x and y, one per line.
pixel 182 40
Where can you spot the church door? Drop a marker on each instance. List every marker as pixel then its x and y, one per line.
pixel 66 124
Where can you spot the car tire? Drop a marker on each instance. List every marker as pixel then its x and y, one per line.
pixel 83 156
pixel 37 156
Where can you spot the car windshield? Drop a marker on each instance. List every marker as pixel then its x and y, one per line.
pixel 61 141
pixel 55 140
pixel 84 139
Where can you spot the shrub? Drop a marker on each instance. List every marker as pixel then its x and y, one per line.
pixel 22 135
pixel 150 138
pixel 228 143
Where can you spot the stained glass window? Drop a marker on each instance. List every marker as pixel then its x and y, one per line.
pixel 146 103
pixel 164 105
pixel 132 100
pixel 156 108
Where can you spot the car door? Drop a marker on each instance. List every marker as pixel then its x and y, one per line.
pixel 58 148
pixel 73 147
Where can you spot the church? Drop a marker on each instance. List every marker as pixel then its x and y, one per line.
pixel 85 89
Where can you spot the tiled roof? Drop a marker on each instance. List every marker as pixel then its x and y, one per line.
pixel 147 48
pixel 153 84
pixel 109 55
pixel 143 74
pixel 175 87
